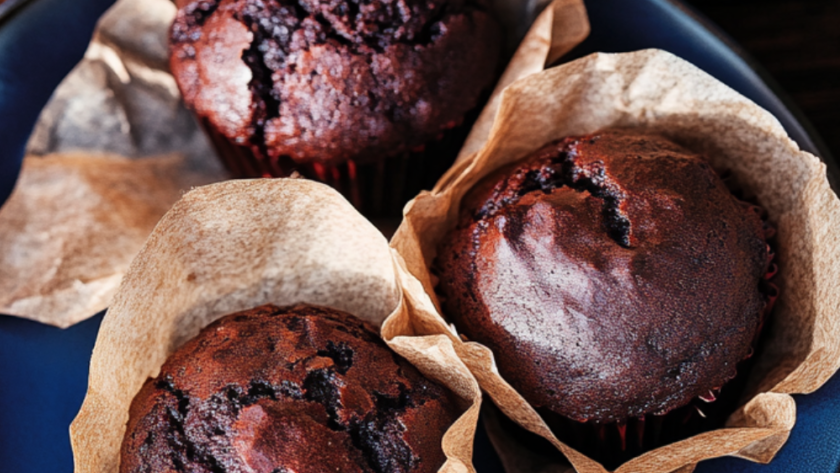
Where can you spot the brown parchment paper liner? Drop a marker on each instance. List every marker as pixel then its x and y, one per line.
pixel 72 225
pixel 561 26
pixel 93 183
pixel 237 245
pixel 121 100
pixel 657 91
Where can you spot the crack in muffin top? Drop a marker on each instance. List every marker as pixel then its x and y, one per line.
pixel 332 80
pixel 613 275
pixel 268 389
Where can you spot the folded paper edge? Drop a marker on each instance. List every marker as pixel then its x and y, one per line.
pixel 811 371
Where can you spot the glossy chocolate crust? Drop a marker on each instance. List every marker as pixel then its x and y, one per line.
pixel 612 275
pixel 302 389
pixel 323 81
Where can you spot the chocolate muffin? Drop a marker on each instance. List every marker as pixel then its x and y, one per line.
pixel 304 389
pixel 321 82
pixel 613 276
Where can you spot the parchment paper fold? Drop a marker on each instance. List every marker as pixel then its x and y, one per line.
pixel 657 91
pixel 72 225
pixel 101 169
pixel 122 100
pixel 237 245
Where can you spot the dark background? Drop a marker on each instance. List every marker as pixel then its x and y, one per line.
pixel 798 43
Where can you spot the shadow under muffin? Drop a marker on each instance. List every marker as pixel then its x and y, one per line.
pixel 374 99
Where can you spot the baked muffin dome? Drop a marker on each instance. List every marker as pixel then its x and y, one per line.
pixel 302 389
pixel 324 81
pixel 612 275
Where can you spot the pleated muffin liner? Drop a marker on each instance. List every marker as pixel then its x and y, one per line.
pixel 377 188
pixel 380 186
pixel 657 92
pixel 72 275
pixel 233 246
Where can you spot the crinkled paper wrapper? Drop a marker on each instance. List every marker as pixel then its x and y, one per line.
pixel 656 91
pixel 236 245
pixel 112 151
pixel 58 267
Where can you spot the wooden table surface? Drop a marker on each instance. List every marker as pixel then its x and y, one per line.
pixel 798 43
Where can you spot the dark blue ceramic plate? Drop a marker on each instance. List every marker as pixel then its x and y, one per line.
pixel 43 370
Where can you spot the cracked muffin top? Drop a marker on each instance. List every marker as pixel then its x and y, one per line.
pixel 303 389
pixel 612 275
pixel 323 81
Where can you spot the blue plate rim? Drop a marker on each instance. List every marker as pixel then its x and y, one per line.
pixel 765 78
